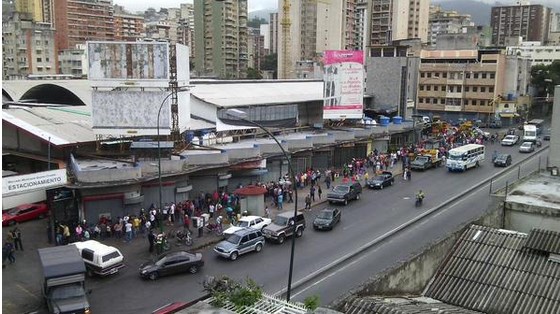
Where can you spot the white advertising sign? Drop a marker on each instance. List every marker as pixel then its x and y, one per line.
pixel 343 84
pixel 34 181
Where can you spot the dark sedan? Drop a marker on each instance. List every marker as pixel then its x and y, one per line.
pixel 502 160
pixel 327 219
pixel 172 263
pixel 379 182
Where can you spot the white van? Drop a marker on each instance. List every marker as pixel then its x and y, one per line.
pixel 100 259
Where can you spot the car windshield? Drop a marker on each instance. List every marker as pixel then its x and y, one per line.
pixel 234 238
pixel 526 145
pixel 421 158
pixel 509 137
pixel 162 260
pixel 281 221
pixel 243 223
pixel 67 292
pixel 455 156
pixel 341 188
pixel 501 157
pixel 325 214
pixel 379 178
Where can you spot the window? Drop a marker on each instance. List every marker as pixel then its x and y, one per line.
pixel 429 87
pixel 87 254
pixel 253 235
pixel 491 89
pixel 110 256
pixel 476 75
pixel 421 87
pixel 492 75
pixel 483 89
pixel 422 74
pixel 245 239
pixel 436 88
pixel 444 74
pixel 484 75
pixel 467 88
pixel 475 89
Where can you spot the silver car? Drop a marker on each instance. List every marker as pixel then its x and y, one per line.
pixel 527 147
pixel 240 242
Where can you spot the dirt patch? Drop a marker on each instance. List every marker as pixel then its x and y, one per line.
pixel 517 192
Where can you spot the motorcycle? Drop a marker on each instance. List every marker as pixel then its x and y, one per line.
pixel 419 200
pixel 184 237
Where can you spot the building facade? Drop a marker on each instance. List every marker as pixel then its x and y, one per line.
pixel 78 21
pixel 535 52
pixel 220 39
pixel 28 48
pixel 273 29
pixel 445 22
pixel 397 19
pixel 129 27
pixel 73 61
pixel 34 8
pixel 530 22
pixel 460 83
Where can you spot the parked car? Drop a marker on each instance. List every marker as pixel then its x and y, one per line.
pixel 255 222
pixel 343 193
pixel 502 160
pixel 283 226
pixel 496 124
pixel 172 263
pixel 546 137
pixel 327 219
pixel 240 242
pixel 527 147
pixel 379 182
pixel 100 259
pixel 510 140
pixel 23 213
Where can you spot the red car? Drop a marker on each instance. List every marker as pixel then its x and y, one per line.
pixel 24 212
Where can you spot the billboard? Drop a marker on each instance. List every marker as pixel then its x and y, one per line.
pixel 34 181
pixel 141 64
pixel 343 84
pixel 131 113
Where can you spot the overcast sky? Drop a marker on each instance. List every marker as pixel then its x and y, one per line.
pixel 142 5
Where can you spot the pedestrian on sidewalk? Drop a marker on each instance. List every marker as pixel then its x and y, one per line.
pixel 187 222
pixel 151 240
pixel 408 174
pixel 17 239
pixel 312 193
pixel 328 180
pixel 8 253
pixel 405 175
pixel 128 231
pixel 307 201
pixel 280 201
pixel 266 211
pixel 319 191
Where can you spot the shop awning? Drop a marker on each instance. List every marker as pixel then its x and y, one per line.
pixel 507 115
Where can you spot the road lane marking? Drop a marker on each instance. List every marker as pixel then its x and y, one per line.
pixel 27 291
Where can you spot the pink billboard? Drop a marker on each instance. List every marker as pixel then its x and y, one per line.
pixel 343 84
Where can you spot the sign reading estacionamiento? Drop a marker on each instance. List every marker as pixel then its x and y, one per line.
pixel 34 181
pixel 343 84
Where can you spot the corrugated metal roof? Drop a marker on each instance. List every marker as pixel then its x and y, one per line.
pixel 252 93
pixel 401 305
pixel 489 271
pixel 544 240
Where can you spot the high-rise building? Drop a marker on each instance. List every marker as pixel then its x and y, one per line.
pixel 445 22
pixel 274 24
pixel 391 20
pixel 530 22
pixel 78 21
pixel 34 8
pixel 221 38
pixel 28 48
pixel 128 27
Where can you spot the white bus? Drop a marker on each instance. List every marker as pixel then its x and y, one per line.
pixel 465 157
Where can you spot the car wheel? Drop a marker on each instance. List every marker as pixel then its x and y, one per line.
pixel 281 239
pixel 233 256
pixel 391 182
pixel 358 196
pixel 193 269
pixel 299 232
pixel 477 164
pixel 153 276
pixel 381 186
pixel 345 201
pixel 465 168
pixel 258 248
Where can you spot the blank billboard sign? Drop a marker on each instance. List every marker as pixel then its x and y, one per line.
pixel 128 63
pixel 130 113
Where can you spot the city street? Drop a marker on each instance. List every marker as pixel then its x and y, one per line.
pixel 376 213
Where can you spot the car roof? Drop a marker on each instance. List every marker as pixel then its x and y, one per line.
pixel 95 246
pixel 175 253
pixel 287 214
pixel 502 156
pixel 249 217
pixel 328 209
pixel 526 143
pixel 244 231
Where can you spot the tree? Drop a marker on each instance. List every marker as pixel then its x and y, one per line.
pixel 254 74
pixel 545 77
pixel 256 22
pixel 270 62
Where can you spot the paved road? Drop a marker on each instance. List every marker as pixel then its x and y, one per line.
pixel 362 221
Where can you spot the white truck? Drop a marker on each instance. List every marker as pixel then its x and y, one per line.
pixel 530 133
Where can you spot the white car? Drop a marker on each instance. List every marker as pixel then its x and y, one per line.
pixel 510 140
pixel 255 222
pixel 526 147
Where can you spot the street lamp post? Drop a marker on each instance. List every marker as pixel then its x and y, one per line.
pixel 181 89
pixel 242 116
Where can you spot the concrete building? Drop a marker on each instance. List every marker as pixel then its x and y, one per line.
pixel 28 48
pixel 398 19
pixel 460 83
pixel 255 48
pixel 220 38
pixel 531 22
pixel 274 24
pixel 79 21
pixel 392 79
pixel 445 22
pixel 158 30
pixel 535 52
pixel 128 27
pixel 554 156
pixel 469 37
pixel 73 61
pixel 34 8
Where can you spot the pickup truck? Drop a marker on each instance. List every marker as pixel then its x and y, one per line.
pixel 424 162
pixel 345 192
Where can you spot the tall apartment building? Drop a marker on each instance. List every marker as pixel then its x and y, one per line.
pixel 307 28
pixel 391 20
pixel 535 52
pixel 128 27
pixel 221 38
pixel 34 8
pixel 27 48
pixel 73 61
pixel 445 22
pixel 274 25
pixel 460 83
pixel 77 21
pixel 530 22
